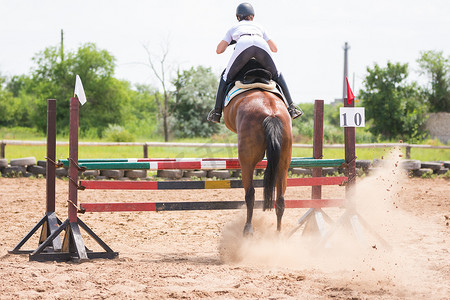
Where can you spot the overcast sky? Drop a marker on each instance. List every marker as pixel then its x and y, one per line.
pixel 310 35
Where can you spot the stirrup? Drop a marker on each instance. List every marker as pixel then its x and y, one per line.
pixel 294 111
pixel 214 116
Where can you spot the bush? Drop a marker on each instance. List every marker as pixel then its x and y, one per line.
pixel 116 133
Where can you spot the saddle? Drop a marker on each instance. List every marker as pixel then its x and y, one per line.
pixel 252 76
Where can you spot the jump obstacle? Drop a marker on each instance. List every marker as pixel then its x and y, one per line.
pixel 73 247
pixel 314 216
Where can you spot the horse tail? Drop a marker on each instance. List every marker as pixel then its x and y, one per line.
pixel 274 134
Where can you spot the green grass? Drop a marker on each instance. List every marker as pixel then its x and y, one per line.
pixel 20 133
pixel 62 152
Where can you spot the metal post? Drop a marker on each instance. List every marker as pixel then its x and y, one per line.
pixel 344 89
pixel 349 132
pixel 408 152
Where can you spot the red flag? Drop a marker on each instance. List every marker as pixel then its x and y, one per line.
pixel 350 95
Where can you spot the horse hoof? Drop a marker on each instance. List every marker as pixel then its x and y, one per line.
pixel 248 230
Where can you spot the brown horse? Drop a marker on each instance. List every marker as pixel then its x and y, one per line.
pixel 263 125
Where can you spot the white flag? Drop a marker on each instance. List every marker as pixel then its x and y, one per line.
pixel 79 91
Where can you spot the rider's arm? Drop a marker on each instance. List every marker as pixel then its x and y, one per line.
pixel 272 46
pixel 221 47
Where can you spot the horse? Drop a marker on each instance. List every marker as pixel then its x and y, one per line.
pixel 263 126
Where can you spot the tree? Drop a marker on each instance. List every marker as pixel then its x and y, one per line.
pixel 161 74
pixel 6 98
pixel 112 103
pixel 19 84
pixel 437 68
pixel 195 91
pixel 141 112
pixel 394 106
pixel 15 109
pixel 54 77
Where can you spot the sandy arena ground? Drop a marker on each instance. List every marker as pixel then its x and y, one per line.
pixel 191 255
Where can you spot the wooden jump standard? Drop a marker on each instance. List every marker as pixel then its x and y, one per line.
pixel 50 222
pixel 73 247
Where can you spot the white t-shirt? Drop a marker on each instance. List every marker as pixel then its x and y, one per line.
pixel 245 27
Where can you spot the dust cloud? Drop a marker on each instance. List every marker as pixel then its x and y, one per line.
pixel 390 245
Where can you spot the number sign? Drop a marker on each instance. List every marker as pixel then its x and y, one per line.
pixel 352 116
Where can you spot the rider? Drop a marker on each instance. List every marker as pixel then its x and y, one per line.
pixel 252 41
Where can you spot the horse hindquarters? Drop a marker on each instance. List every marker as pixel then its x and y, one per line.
pixel 252 116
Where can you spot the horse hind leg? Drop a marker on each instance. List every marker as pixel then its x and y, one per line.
pixel 250 202
pixel 279 210
pixel 247 183
pixel 281 185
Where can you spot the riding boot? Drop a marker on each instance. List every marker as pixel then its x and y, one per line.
pixel 293 111
pixel 215 114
